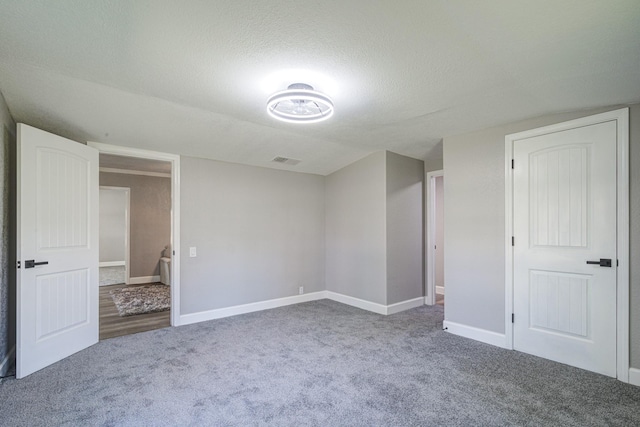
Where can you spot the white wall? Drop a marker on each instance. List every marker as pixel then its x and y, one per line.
pixel 113 205
pixel 405 219
pixel 259 234
pixel 474 227
pixel 356 237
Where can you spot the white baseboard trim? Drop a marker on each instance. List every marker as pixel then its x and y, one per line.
pixel 187 319
pixel 143 279
pixel 634 376
pixel 111 264
pixel 357 302
pixel 6 362
pixel 375 307
pixel 440 290
pixel 405 305
pixel 218 313
pixel 482 335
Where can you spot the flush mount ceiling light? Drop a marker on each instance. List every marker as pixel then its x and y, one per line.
pixel 300 104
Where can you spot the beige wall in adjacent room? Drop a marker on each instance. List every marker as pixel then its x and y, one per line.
pixel 474 165
pixel 150 219
pixel 113 224
pixel 258 232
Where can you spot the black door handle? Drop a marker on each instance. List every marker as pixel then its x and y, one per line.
pixel 31 263
pixel 604 262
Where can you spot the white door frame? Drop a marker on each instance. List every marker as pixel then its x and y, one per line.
pixel 621 116
pixel 175 211
pixel 127 228
pixel 430 298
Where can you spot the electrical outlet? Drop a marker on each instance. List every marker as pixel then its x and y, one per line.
pixel 301 290
pixel 192 251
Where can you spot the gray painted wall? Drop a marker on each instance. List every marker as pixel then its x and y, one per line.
pixel 431 165
pixel 356 256
pixel 113 205
pixel 8 228
pixel 634 227
pixel 474 226
pixel 150 219
pixel 405 242
pixel 259 234
pixel 474 229
pixel 439 238
pixel 374 229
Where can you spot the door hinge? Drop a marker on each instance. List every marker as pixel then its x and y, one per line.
pixel 18 264
pixel 513 241
pixel 617 263
pixel 513 166
pixel 513 316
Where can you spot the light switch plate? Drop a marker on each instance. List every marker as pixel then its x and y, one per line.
pixel 192 251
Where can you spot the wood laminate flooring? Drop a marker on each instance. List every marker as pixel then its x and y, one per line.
pixel 112 325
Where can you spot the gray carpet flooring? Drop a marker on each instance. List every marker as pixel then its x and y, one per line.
pixel 319 363
pixel 111 275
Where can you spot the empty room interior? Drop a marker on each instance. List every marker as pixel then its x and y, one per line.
pixel 328 213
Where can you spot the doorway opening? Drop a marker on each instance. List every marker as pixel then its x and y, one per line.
pixel 435 238
pixel 141 292
pixel 114 218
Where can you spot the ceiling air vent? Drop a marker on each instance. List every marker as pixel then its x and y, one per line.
pixel 286 160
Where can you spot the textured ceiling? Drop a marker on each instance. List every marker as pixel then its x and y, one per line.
pixel 192 77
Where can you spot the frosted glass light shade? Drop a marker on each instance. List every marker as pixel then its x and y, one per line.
pixel 300 103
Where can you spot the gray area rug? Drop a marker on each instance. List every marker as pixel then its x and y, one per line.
pixel 314 364
pixel 141 299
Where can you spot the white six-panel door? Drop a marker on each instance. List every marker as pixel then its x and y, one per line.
pixel 564 214
pixel 57 307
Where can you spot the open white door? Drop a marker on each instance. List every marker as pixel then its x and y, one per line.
pixel 57 307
